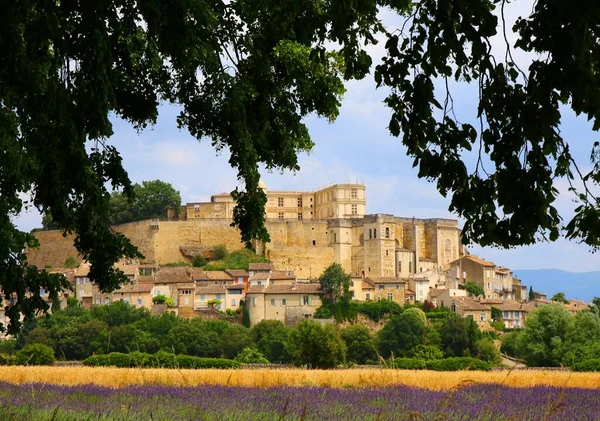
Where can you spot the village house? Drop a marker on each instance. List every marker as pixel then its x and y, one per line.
pixel 361 290
pixel 514 313
pixel 168 279
pixel 255 268
pixel 210 293
pixel 288 303
pixel 497 282
pixel 387 288
pixel 575 306
pixel 240 277
pixel 469 308
pixel 445 297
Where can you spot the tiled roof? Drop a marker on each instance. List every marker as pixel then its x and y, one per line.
pixel 170 275
pixel 237 273
pixel 186 286
pixel 128 270
pixel 280 274
pixel 479 260
pixel 199 274
pixel 211 289
pixel 260 266
pixel 261 276
pixel 145 279
pixel 313 288
pixel 409 292
pixel 467 303
pixel 510 305
pixel 235 286
pixel 434 292
pixel 384 280
pixel 82 270
pixel 366 285
pixel 148 266
pixel 218 275
pixel 127 289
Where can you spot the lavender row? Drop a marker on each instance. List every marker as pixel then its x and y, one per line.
pixel 479 402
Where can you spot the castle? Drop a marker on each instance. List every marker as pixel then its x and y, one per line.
pixel 309 231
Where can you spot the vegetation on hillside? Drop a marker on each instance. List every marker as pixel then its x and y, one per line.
pixel 237 259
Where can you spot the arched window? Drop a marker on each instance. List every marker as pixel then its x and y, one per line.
pixel 370 234
pixel 387 232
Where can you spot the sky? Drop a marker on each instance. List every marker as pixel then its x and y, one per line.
pixel 357 147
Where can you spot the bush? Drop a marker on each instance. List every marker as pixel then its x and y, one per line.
pixel 251 356
pixel 446 364
pixel 159 299
pixel 323 312
pixel 70 262
pixel 219 252
pixel 8 360
pixel 428 352
pixel 587 365
pixel 497 325
pixel 159 360
pixel 35 354
pixel 487 351
pixel 199 261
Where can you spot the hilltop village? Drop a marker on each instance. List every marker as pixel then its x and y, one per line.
pixel 405 260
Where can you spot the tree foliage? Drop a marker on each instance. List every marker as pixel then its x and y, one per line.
pixel 316 346
pixel 246 74
pixel 335 284
pixel 560 297
pixel 473 289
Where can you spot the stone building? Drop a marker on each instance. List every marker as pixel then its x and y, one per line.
pixel 317 228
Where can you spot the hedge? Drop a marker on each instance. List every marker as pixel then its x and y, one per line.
pixel 8 360
pixel 159 360
pixel 446 364
pixel 587 365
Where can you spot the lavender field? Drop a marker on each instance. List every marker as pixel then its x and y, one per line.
pixel 476 402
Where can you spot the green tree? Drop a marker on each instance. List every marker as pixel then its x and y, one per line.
pixel 151 199
pixel 271 339
pixel 459 336
pixel 360 344
pixel 401 335
pixel 194 338
pixel 487 351
pixel 335 284
pixel 251 356
pixel 234 340
pixel 582 340
pixel 219 252
pixel 508 344
pixel 316 346
pixel 264 68
pixel 198 261
pixel 560 297
pixel 595 305
pixel 531 293
pixel 119 313
pixel 473 289
pixel 545 332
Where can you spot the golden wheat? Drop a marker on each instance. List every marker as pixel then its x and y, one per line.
pixel 119 377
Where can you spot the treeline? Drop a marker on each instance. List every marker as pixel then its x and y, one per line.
pixel 553 338
pixel 75 333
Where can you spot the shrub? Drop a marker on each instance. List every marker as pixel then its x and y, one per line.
pixel 428 352
pixel 198 261
pixel 8 360
pixel 251 356
pixel 159 360
pixel 70 262
pixel 323 312
pixel 35 354
pixel 587 365
pixel 497 325
pixel 219 252
pixel 159 299
pixel 487 351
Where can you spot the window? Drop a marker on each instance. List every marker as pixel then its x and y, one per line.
pixel 284 302
pixel 272 302
pixel 280 202
pixel 399 266
pixel 259 283
pixel 353 194
pixel 299 202
pixel 107 300
pixel 233 302
pixel 98 301
pixel 280 215
pixel 397 286
pixel 387 232
pixel 354 210
pixel 254 301
pixel 482 317
pixel 202 297
pixel 374 233
pixel 409 267
pixel 299 215
pixel 390 296
pixel 386 253
pixel 186 300
pixel 370 234
pixel 381 286
pixel 305 300
pixel 314 242
pixel 186 292
pixel 218 296
pixel 368 296
pixel 334 237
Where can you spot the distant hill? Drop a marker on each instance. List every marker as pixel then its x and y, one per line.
pixel 579 285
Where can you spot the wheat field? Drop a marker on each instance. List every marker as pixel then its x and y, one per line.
pixel 121 377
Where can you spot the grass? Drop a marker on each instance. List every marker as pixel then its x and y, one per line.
pixel 121 377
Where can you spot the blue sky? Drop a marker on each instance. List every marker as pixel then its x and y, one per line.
pixel 356 147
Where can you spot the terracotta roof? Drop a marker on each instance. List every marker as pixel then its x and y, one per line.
pixel 261 276
pixel 511 305
pixel 492 301
pixel 186 286
pixel 235 286
pixel 177 274
pixel 385 280
pixel 211 289
pixel 426 259
pixel 260 266
pixel 237 273
pixel 479 260
pixel 434 292
pixel 148 266
pixel 366 285
pixel 82 270
pixel 313 288
pixel 280 274
pixel 127 269
pixel 218 275
pixel 145 279
pixel 467 303
pixel 199 274
pixel 127 289
pixel 409 292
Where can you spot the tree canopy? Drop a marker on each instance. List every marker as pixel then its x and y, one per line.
pixel 246 73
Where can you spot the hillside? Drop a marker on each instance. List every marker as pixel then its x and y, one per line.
pixel 579 285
